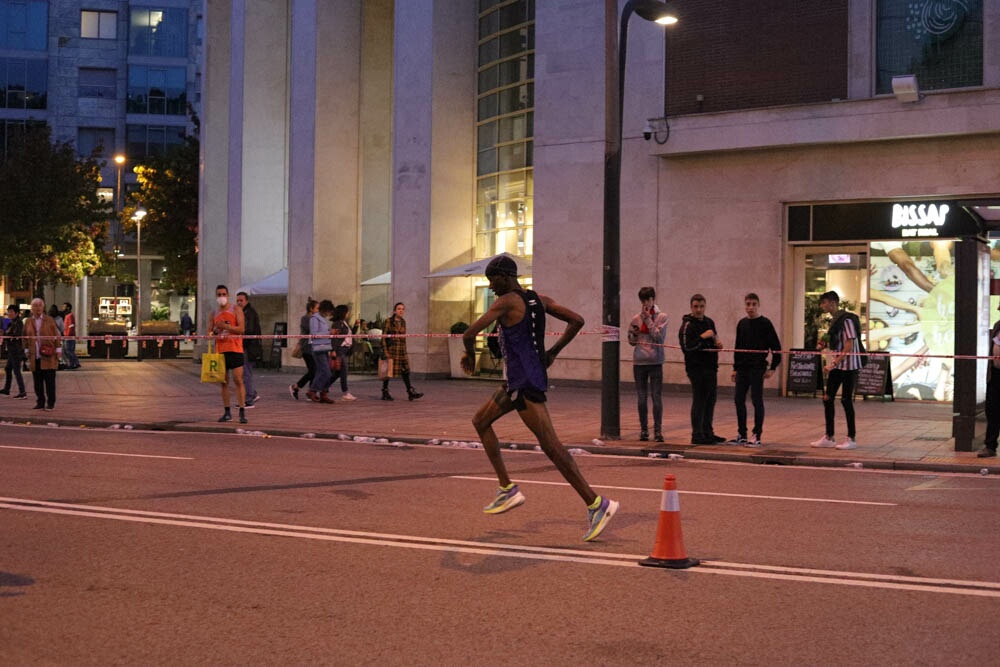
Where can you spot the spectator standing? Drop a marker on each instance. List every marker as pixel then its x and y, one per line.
pixel 750 369
pixel 41 340
pixel 57 318
pixel 253 349
pixel 647 334
pixel 69 337
pixel 343 347
pixel 395 349
pixel 992 395
pixel 187 325
pixel 701 345
pixel 319 329
pixel 226 325
pixel 842 369
pixel 15 352
pixel 312 306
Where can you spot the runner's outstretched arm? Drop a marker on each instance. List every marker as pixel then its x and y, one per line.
pixel 574 323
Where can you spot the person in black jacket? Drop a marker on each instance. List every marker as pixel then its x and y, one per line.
pixel 15 352
pixel 750 369
pixel 253 349
pixel 701 345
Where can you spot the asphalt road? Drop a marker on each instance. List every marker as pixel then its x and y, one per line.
pixel 124 547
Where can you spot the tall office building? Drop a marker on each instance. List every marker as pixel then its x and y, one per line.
pixel 115 77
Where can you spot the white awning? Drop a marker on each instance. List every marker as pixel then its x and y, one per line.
pixel 478 268
pixel 381 279
pixel 274 284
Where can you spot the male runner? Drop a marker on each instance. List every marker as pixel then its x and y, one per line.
pixel 521 316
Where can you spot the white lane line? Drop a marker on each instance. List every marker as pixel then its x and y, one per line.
pixel 690 493
pixel 81 451
pixel 801 575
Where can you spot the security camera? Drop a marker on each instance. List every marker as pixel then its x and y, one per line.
pixel 647 132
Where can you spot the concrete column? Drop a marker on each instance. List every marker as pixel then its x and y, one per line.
pixel 376 155
pixel 263 168
pixel 574 65
pixel 301 158
pixel 214 202
pixel 338 89
pixel 433 139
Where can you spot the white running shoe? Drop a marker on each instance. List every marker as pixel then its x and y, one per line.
pixel 848 443
pixel 825 441
pixel 348 396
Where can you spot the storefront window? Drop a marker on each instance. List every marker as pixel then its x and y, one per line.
pixel 940 41
pixel 912 314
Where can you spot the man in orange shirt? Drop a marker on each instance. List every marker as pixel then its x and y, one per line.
pixel 226 324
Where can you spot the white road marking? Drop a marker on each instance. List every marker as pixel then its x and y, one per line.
pixel 690 493
pixel 81 451
pixel 750 570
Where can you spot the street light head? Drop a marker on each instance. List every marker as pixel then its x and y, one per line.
pixel 140 213
pixel 658 12
pixel 119 159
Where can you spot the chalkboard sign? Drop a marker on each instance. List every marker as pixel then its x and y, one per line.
pixel 280 329
pixel 875 379
pixel 804 376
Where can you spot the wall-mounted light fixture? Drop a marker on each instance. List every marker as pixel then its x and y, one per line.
pixel 657 129
pixel 906 89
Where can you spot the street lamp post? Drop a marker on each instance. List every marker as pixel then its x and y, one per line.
pixel 140 213
pixel 659 12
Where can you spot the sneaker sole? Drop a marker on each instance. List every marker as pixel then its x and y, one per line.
pixel 603 523
pixel 515 501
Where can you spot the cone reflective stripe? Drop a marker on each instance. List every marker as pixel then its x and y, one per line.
pixel 669 548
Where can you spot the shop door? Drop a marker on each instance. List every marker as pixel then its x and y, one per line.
pixel 818 269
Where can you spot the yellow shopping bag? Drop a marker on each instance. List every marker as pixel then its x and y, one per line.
pixel 213 366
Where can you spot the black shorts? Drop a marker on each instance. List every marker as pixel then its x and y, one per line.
pixel 233 360
pixel 519 396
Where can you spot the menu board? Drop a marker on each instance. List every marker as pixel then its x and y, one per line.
pixel 875 379
pixel 804 375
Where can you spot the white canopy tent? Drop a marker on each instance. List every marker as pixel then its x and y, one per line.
pixel 275 284
pixel 381 279
pixel 478 268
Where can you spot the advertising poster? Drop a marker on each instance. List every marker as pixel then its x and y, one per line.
pixel 912 313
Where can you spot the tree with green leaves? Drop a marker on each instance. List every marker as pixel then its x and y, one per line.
pixel 53 220
pixel 169 193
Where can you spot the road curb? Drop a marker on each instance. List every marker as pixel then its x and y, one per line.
pixel 760 457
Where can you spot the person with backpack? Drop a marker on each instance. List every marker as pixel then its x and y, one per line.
pixel 848 358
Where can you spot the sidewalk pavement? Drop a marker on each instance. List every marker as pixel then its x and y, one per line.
pixel 167 395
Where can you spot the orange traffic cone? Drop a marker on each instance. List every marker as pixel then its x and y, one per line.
pixel 669 548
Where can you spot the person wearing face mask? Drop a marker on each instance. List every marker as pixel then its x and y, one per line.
pixel 226 323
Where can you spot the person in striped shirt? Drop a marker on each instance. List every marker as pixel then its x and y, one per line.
pixel 842 369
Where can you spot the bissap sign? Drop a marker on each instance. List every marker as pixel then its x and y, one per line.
pixel 919 220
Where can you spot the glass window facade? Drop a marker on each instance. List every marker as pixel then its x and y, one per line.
pixel 23 83
pixel 98 25
pixel 11 135
pixel 940 41
pixel 150 140
pixel 100 83
pixel 95 141
pixel 158 32
pixel 157 90
pixel 505 128
pixel 24 24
